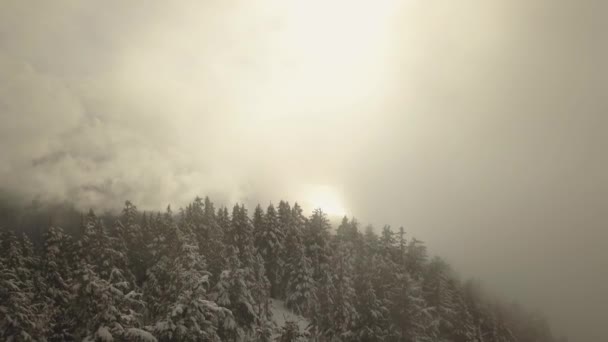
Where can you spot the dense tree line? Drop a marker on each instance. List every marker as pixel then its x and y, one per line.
pixel 207 274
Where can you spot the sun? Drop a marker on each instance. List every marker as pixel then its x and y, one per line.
pixel 327 199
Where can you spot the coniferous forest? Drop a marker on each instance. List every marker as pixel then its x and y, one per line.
pixel 209 274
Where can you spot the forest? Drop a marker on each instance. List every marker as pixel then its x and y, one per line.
pixel 209 274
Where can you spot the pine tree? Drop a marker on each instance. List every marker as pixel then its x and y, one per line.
pixel 58 273
pixel 106 253
pixel 292 223
pixel 316 237
pixel 269 243
pixel 129 230
pixel 258 226
pixel 188 314
pixel 240 232
pixel 416 258
pixel 20 317
pixel 212 247
pixel 440 297
pixel 300 290
pixel 343 313
pixel 233 292
pixel 372 323
pixel 290 332
pixel 321 324
pixel 408 311
pixel 103 310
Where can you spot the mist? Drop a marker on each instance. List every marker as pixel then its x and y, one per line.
pixel 478 126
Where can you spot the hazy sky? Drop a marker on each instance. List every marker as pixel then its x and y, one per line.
pixel 481 126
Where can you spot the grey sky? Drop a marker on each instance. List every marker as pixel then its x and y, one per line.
pixel 480 126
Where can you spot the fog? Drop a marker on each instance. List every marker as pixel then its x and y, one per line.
pixel 479 126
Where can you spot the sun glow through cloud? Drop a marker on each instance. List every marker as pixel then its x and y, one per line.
pixel 325 198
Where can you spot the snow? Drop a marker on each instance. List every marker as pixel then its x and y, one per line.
pixel 281 314
pixel 135 334
pixel 104 334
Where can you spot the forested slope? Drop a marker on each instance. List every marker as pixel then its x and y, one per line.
pixel 207 274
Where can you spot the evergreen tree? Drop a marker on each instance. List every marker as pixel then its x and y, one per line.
pixel 188 315
pixel 372 323
pixel 440 297
pixel 316 237
pixel 129 230
pixel 409 314
pixel 269 243
pixel 212 247
pixel 20 316
pixel 321 324
pixel 343 312
pixel 290 332
pixel 300 290
pixel 102 309
pixel 58 274
pixel 240 232
pixel 416 258
pixel 233 292
pixel 292 223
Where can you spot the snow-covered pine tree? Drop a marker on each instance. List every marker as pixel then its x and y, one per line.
pixel 410 317
pixel 260 286
pixel 104 252
pixel 233 292
pixel 464 326
pixel 188 314
pixel 416 258
pixel 212 247
pixel 129 229
pixel 348 231
pixel 258 226
pixel 292 224
pixel 269 239
pixel 343 312
pixel 290 332
pixel 240 232
pixel 316 238
pixel 321 325
pixel 300 290
pixel 440 297
pixel 20 315
pixel 103 310
pixel 58 274
pixel 372 323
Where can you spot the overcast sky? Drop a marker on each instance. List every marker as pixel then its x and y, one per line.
pixel 480 126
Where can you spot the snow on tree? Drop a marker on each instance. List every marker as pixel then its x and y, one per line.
pixel 240 232
pixel 416 258
pixel 321 324
pixel 58 277
pixel 372 322
pixel 207 279
pixel 300 290
pixel 316 238
pixel 233 292
pixel 186 313
pixel 101 308
pixel 269 239
pixel 292 223
pixel 105 251
pixel 20 317
pixel 410 317
pixel 343 312
pixel 129 230
pixel 212 247
pixel 439 298
pixel 290 332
